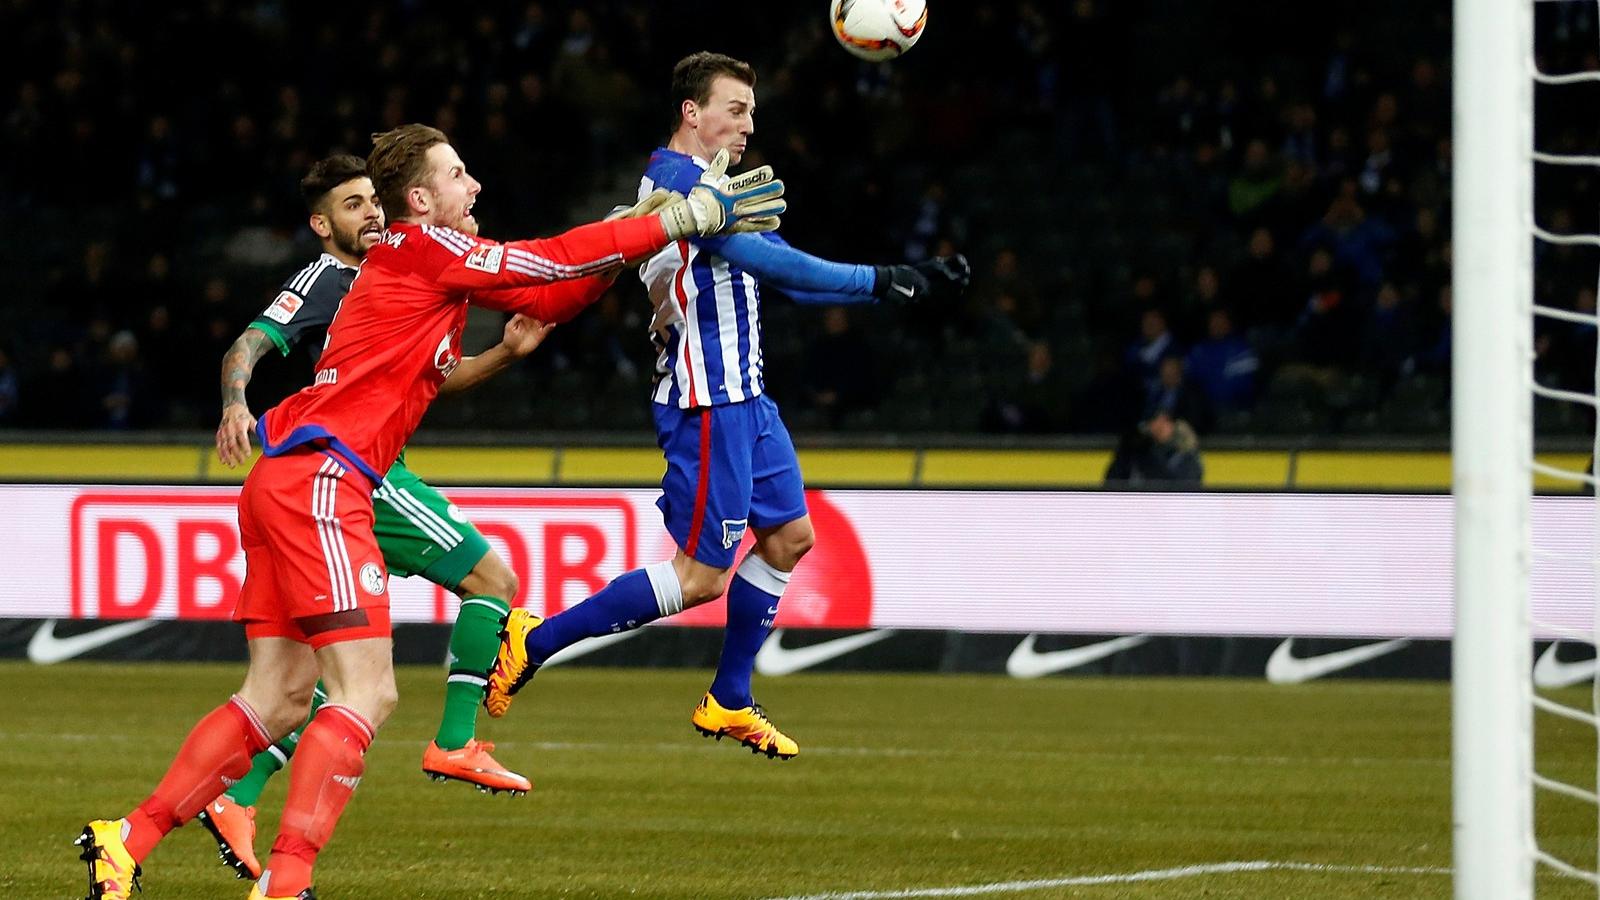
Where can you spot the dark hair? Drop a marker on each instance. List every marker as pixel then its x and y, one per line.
pixel 399 162
pixel 327 174
pixel 692 77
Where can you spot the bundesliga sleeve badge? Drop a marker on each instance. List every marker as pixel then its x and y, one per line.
pixel 486 259
pixel 283 308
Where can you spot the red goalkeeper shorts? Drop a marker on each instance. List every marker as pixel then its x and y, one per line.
pixel 313 571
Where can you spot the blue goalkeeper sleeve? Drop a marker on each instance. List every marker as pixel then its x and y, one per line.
pixel 806 278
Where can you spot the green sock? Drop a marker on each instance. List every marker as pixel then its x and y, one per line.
pixel 268 762
pixel 473 643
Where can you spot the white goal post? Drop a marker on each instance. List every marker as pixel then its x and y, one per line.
pixel 1492 445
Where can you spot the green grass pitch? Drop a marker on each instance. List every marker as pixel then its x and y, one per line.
pixel 903 783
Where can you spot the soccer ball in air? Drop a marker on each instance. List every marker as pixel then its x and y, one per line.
pixel 877 30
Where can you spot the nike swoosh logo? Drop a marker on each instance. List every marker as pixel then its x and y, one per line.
pixel 1026 662
pixel 1550 672
pixel 218 808
pixel 47 649
pixel 587 646
pixel 1285 668
pixel 775 659
pixel 906 289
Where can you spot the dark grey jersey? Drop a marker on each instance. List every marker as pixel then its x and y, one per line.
pixel 305 306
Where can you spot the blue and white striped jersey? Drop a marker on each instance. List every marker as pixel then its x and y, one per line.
pixel 707 325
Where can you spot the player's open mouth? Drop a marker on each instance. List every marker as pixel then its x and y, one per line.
pixel 374 228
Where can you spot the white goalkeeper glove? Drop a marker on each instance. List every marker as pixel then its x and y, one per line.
pixel 749 202
pixel 652 203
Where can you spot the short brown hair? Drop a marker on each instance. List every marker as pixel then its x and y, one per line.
pixel 399 162
pixel 693 75
pixel 327 174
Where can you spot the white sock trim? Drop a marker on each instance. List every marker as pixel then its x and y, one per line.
pixel 763 576
pixel 668 590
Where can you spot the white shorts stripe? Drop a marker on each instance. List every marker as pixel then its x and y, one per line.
pixel 391 495
pixel 346 574
pixel 318 505
pixel 424 518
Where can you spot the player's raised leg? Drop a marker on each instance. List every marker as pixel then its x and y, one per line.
pixel 456 752
pixel 217 753
pixel 783 535
pixel 705 502
pixel 422 533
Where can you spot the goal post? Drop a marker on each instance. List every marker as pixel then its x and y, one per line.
pixel 1492 447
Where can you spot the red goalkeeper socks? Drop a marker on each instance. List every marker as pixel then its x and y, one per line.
pixel 216 754
pixel 325 771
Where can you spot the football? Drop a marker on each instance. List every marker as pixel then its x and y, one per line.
pixel 877 30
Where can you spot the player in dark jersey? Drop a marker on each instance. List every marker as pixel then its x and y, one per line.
pixel 419 531
pixel 315 598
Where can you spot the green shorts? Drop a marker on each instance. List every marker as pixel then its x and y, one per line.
pixel 422 533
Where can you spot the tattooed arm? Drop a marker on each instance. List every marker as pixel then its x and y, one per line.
pixel 233 435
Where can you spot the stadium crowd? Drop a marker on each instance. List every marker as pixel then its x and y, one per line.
pixel 1166 214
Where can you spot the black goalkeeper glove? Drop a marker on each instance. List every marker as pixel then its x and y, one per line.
pixel 909 284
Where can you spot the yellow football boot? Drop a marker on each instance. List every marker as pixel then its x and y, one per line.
pixel 749 726
pixel 112 872
pixel 234 827
pixel 474 765
pixel 512 668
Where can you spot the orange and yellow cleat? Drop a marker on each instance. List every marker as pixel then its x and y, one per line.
pixel 112 872
pixel 512 668
pixel 234 827
pixel 474 765
pixel 749 726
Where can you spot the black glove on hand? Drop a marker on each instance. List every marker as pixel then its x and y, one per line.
pixel 909 284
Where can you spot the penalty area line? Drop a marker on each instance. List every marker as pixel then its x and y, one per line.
pixel 1039 884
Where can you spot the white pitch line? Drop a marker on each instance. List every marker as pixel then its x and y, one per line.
pixel 1223 868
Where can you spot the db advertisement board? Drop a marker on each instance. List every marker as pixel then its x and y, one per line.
pixel 1049 562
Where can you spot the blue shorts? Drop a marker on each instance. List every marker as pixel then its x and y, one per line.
pixel 729 468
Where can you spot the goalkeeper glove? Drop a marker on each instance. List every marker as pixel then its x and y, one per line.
pixel 908 284
pixel 749 202
pixel 652 203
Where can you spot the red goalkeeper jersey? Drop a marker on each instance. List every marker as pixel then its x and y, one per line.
pixel 397 336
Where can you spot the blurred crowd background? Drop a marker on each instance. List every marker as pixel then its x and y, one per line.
pixel 1166 212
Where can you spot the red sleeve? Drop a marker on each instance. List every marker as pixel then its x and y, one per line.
pixel 557 302
pixel 578 253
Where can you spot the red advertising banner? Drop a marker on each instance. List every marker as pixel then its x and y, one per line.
pixel 973 561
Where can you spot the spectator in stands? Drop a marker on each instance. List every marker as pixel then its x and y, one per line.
pixel 838 374
pixel 1155 343
pixel 121 389
pixel 1161 452
pixel 1262 288
pixel 1175 395
pixel 1390 337
pixel 1224 365
pixel 1433 358
pixel 1033 398
pixel 9 389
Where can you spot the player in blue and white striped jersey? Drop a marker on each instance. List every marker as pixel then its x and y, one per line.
pixel 731 466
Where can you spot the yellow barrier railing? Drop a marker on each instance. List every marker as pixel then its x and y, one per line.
pixel 825 467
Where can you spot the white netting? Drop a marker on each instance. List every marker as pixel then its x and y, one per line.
pixel 1555 789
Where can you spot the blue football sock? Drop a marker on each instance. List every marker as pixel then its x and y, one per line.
pixel 752 605
pixel 630 600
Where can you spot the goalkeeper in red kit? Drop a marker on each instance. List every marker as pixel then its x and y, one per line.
pixel 314 600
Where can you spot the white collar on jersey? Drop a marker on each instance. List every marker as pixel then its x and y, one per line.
pixel 337 261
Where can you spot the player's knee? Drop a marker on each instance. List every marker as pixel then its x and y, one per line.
pixel 785 548
pixel 503 583
pixel 704 587
pixel 283 714
pixel 802 542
